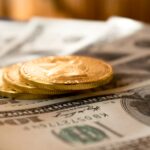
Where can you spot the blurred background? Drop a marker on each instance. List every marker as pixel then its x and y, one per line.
pixel 85 9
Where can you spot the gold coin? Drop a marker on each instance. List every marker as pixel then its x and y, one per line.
pixel 66 72
pixel 12 79
pixel 6 91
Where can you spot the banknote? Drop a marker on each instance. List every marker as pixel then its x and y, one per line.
pixel 42 37
pixel 64 36
pixel 76 123
pixel 96 50
pixel 139 41
pixel 132 144
pixel 115 116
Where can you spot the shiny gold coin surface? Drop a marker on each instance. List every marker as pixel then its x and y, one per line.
pixel 66 72
pixel 6 91
pixel 12 79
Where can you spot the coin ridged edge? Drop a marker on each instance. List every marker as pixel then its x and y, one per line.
pixel 30 90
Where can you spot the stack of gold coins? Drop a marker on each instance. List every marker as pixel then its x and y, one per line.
pixel 40 78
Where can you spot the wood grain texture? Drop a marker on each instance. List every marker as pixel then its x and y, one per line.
pixel 86 9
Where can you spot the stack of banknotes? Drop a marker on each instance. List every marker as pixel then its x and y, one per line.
pixel 115 116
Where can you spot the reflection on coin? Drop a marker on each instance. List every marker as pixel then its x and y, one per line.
pixel 12 79
pixel 6 91
pixel 66 72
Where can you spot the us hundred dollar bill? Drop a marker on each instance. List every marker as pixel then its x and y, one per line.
pixel 42 37
pixel 116 116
